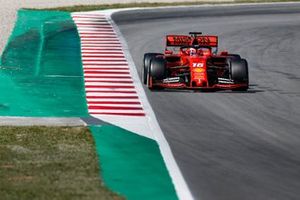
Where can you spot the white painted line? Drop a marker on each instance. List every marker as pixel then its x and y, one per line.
pixel 100 40
pixel 109 64
pixel 103 45
pixel 108 84
pixel 101 83
pixel 98 35
pixel 94 20
pixel 91 19
pixel 114 111
pixel 112 100
pixel 115 102
pixel 109 57
pixel 40 121
pixel 102 59
pixel 92 37
pixel 88 14
pixel 110 71
pixel 113 57
pixel 105 66
pixel 105 62
pixel 89 67
pixel 91 22
pixel 96 29
pixel 106 79
pixel 112 88
pixel 93 49
pixel 100 45
pixel 107 75
pixel 110 91
pixel 94 26
pixel 106 70
pixel 102 51
pixel 119 105
pixel 110 81
pixel 110 95
pixel 96 38
pixel 102 54
pixel 91 79
pixel 103 32
pixel 79 17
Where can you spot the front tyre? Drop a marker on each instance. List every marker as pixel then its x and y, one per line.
pixel 158 68
pixel 146 65
pixel 239 73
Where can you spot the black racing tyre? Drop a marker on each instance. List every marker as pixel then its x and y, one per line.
pixel 239 72
pixel 147 60
pixel 235 56
pixel 158 68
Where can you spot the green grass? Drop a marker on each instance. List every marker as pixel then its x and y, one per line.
pixel 158 4
pixel 50 163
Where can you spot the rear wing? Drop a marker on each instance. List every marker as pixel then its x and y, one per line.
pixel 184 40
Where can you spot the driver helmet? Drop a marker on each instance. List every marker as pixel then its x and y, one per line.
pixel 193 51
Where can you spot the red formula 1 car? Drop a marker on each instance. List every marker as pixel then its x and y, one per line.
pixel 193 63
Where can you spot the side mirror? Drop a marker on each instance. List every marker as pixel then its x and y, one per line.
pixel 168 52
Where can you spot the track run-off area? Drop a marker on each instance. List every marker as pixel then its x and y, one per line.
pixel 231 145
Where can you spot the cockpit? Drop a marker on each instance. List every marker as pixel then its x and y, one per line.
pixel 196 51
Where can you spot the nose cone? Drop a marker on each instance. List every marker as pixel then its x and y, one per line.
pixel 198 72
pixel 199 83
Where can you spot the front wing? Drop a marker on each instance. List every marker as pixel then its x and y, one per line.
pixel 228 86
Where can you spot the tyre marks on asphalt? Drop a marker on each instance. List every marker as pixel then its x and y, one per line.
pixel 109 86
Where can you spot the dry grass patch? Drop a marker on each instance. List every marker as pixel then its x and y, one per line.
pixel 50 163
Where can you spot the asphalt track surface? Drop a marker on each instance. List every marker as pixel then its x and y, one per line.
pixel 231 145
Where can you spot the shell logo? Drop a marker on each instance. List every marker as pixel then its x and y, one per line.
pixel 199 70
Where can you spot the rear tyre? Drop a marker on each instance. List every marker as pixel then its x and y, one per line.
pixel 147 60
pixel 239 73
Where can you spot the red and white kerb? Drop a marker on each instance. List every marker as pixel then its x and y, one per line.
pixel 108 84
